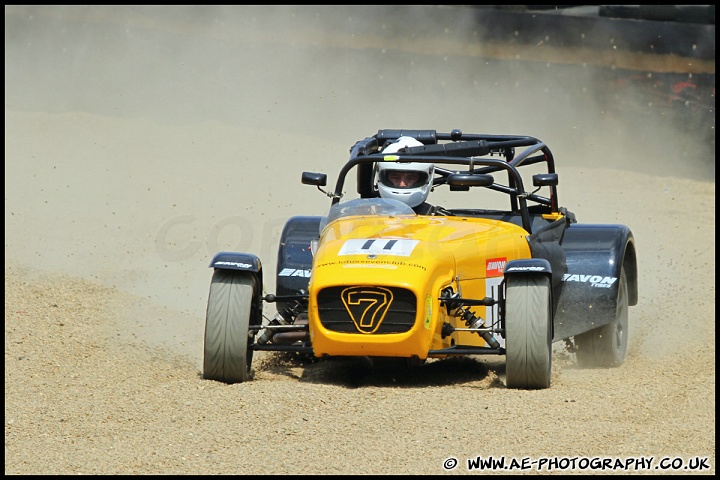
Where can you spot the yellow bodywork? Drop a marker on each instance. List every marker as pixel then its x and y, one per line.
pixel 424 254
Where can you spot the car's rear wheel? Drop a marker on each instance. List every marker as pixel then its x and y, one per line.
pixel 228 353
pixel 528 331
pixel 606 346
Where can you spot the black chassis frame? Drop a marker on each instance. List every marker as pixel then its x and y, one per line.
pixel 591 252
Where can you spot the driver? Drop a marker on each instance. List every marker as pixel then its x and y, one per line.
pixel 408 182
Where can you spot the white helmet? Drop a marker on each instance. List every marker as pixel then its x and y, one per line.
pixel 414 194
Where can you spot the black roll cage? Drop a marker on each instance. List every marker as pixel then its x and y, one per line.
pixel 460 149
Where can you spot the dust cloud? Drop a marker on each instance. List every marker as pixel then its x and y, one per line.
pixel 141 140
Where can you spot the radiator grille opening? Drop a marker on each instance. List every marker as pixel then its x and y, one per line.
pixel 367 310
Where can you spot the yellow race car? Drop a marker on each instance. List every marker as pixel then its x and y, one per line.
pixel 387 274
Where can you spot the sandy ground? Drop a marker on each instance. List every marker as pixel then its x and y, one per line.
pixel 140 141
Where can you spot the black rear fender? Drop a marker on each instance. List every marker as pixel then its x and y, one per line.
pixel 588 294
pixel 294 255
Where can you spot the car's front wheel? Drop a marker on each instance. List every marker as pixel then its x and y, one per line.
pixel 528 331
pixel 228 353
pixel 607 346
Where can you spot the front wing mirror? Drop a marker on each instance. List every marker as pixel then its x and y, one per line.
pixel 312 178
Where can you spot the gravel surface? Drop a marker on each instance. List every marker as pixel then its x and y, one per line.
pixel 133 153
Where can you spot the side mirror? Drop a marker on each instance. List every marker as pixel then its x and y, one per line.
pixel 470 180
pixel 545 180
pixel 312 178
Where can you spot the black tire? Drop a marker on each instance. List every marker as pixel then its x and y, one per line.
pixel 528 332
pixel 228 353
pixel 606 346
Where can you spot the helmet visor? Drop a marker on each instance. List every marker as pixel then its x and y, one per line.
pixel 403 178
